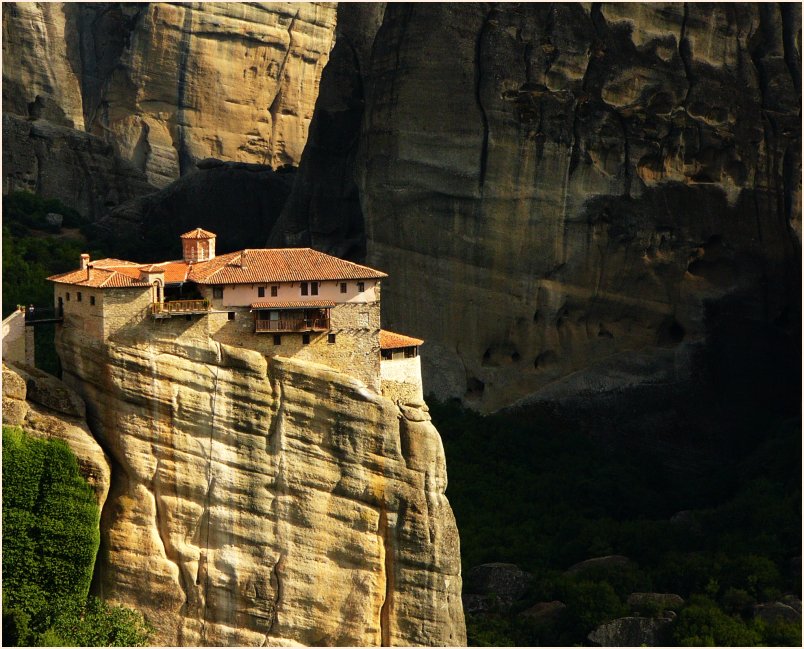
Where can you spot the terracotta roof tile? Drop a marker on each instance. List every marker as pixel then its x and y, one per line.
pixel 278 265
pixel 198 233
pixel 293 304
pixel 391 340
pixel 99 278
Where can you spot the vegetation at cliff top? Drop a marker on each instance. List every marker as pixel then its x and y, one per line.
pixel 33 249
pixel 530 490
pixel 50 540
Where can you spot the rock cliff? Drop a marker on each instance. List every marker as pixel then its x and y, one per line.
pixel 559 187
pixel 46 408
pixel 263 502
pixel 169 84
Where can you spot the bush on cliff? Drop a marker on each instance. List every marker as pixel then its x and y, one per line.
pixel 50 540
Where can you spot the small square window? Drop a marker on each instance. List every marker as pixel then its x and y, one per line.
pixel 231 315
pixel 78 296
pixel 305 339
pixel 92 300
pixel 304 288
pixel 343 287
pixel 274 291
pixel 331 339
pixel 361 286
pixel 313 288
pixel 261 291
pixel 277 339
pixel 217 292
pixel 68 296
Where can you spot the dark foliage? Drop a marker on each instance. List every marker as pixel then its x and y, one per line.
pixel 535 492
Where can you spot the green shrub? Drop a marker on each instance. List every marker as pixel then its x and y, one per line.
pixel 50 541
pixel 702 623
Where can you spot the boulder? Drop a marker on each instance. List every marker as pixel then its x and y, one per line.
pixel 660 601
pixel 496 584
pixel 48 391
pixel 775 611
pixel 544 611
pixel 632 632
pixel 611 561
pixel 54 219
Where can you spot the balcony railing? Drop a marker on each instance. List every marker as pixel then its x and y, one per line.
pixel 179 307
pixel 303 324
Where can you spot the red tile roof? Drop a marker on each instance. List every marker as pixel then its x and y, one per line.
pixel 391 340
pixel 254 266
pixel 99 278
pixel 251 266
pixel 293 304
pixel 198 233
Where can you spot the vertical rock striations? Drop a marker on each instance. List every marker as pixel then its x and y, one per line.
pixel 263 502
pixel 170 84
pixel 554 188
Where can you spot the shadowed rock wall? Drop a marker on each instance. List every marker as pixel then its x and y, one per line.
pixel 554 188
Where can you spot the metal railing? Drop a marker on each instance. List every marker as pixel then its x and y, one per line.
pixel 296 324
pixel 180 306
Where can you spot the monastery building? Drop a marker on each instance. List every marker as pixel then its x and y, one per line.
pixel 292 302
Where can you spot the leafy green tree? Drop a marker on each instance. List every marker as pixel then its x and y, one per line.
pixel 50 541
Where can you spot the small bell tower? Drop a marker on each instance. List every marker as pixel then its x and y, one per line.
pixel 198 245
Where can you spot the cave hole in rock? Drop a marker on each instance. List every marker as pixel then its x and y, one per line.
pixel 671 332
pixel 515 357
pixel 536 315
pixel 603 332
pixel 474 388
pixel 545 359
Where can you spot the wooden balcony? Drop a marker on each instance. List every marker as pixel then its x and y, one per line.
pixel 291 325
pixel 179 307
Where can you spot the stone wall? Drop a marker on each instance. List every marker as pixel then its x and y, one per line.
pixel 14 338
pixel 402 379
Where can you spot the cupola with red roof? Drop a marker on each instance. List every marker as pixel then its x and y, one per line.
pixel 198 245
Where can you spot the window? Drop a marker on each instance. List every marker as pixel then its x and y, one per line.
pixel 331 339
pixel 305 339
pixel 361 286
pixel 78 296
pixel 261 291
pixel 231 315
pixel 92 300
pixel 386 354
pixel 343 287
pixel 277 339
pixel 303 286
pixel 313 288
pixel 68 296
pixel 217 292
pixel 274 291
pixel 410 352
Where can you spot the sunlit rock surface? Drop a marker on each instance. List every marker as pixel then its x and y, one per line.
pixel 169 84
pixel 266 502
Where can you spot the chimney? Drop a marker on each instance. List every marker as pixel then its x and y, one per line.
pixel 89 270
pixel 243 259
pixel 84 261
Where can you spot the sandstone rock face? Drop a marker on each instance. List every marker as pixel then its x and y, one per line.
pixel 79 169
pixel 48 409
pixel 266 502
pixel 323 211
pixel 168 84
pixel 550 187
